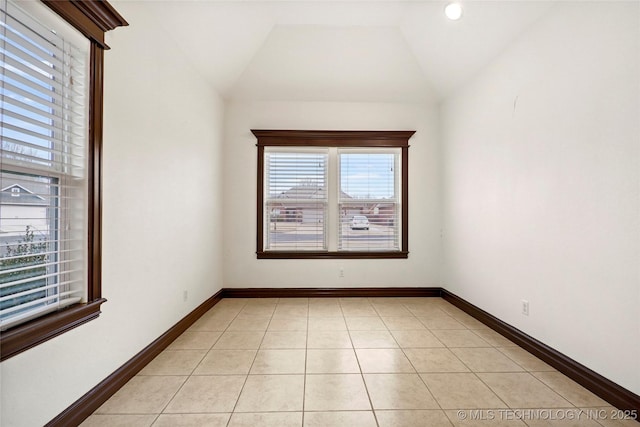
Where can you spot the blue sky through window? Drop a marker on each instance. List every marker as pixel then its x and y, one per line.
pixel 367 176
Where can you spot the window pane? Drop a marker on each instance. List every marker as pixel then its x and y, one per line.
pixel 296 200
pixel 368 205
pixel 296 226
pixel 367 175
pixel 43 111
pixel 368 226
pixel 28 243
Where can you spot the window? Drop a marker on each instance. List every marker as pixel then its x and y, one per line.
pixel 50 128
pixel 332 194
pixel 44 99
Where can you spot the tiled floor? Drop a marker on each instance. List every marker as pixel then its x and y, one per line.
pixel 348 362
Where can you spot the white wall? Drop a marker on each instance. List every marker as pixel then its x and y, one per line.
pixel 161 224
pixel 540 160
pixel 242 269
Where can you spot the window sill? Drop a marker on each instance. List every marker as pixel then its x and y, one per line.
pixel 30 334
pixel 332 255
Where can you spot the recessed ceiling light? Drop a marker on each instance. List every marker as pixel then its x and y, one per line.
pixel 453 11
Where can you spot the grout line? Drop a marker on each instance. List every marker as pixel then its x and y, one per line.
pixel 366 388
pixel 233 410
pixel 413 366
pixel 306 352
pixel 189 376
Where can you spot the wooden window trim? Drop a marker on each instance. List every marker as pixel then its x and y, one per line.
pixel 92 18
pixel 332 138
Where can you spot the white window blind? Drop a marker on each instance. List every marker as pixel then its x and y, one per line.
pixel 43 181
pixel 369 201
pixel 295 199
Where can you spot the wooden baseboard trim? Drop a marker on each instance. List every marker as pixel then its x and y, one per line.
pixel 81 409
pixel 606 389
pixel 329 292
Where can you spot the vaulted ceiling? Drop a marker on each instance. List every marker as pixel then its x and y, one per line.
pixel 365 51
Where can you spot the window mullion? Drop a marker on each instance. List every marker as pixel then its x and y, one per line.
pixel 333 210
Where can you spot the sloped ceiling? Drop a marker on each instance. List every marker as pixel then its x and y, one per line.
pixel 365 51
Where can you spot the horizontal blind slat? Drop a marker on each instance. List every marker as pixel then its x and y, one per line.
pixel 59 303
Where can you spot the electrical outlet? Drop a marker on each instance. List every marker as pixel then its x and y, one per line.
pixel 525 307
pixel 185 295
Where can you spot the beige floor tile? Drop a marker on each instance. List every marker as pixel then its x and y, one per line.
pixel 471 323
pixel 226 362
pixel 354 300
pixel 452 310
pixel 609 416
pixel 279 362
pixel 486 360
pixel 249 323
pixel 288 324
pixel 435 360
pixel 192 420
pixel 264 310
pixel 459 338
pixel 228 303
pixel 416 339
pixel 525 359
pixel 272 393
pixel 239 341
pixel 566 417
pixel 294 301
pixel 385 300
pixel 335 392
pixel 373 339
pixel 484 418
pixel 143 395
pixel 570 390
pixel 211 323
pixel 174 362
pixel 325 310
pixel 523 390
pixel 266 419
pixel 340 419
pixel 118 421
pixel 426 311
pixel 236 365
pixel 391 310
pixel 327 324
pixel 493 338
pixel 383 360
pixel 323 300
pixel 332 361
pixel 328 339
pixel 291 310
pixel 207 394
pixel 359 311
pixel 434 314
pixel 365 324
pixel 263 301
pixel 405 323
pixel 195 340
pixel 284 339
pixel 461 391
pixel 398 391
pixel 415 418
pixel 441 323
pixel 221 310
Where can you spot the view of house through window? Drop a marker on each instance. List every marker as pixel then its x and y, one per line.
pixel 368 200
pixel 43 179
pixel 340 199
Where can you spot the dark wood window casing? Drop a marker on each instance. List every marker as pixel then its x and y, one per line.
pixel 92 18
pixel 340 139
